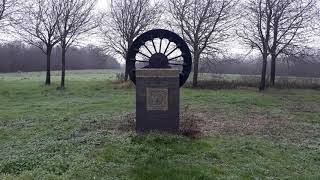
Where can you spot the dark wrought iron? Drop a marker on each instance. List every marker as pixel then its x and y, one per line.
pixel 160 58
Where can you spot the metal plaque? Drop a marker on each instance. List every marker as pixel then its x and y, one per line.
pixel 157 99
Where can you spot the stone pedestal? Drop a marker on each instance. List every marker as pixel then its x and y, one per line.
pixel 157 99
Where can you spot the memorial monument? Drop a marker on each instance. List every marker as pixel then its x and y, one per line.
pixel 158 76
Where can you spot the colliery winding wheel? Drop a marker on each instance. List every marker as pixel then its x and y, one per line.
pixel 159 48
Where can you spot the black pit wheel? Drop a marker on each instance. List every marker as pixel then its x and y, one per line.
pixel 159 48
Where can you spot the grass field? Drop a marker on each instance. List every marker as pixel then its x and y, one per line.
pixel 73 134
pixel 234 81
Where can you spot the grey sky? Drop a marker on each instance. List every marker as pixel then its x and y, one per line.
pixel 233 46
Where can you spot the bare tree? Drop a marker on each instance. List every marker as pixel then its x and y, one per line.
pixel 290 22
pixel 38 27
pixel 274 27
pixel 76 19
pixel 203 24
pixel 126 20
pixel 256 30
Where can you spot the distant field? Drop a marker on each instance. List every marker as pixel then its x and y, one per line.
pixel 235 77
pixel 82 75
pixel 89 74
pixel 74 134
pixel 236 80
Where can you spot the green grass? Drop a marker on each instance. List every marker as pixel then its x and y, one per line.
pixel 50 134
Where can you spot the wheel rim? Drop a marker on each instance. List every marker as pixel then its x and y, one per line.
pixel 154 45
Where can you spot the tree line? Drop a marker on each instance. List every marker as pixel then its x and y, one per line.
pixel 293 67
pixel 18 56
pixel 275 29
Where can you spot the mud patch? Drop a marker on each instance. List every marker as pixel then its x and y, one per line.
pixel 197 125
pixel 262 125
pixel 189 124
pixel 308 107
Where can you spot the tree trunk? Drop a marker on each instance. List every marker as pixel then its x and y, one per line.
pixel 63 67
pixel 263 73
pixel 273 70
pixel 195 70
pixel 126 73
pixel 48 76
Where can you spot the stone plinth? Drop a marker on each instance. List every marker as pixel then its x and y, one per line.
pixel 157 99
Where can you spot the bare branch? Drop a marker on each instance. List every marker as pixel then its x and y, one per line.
pixel 38 24
pixel 126 20
pixel 8 8
pixel 203 24
pixel 76 19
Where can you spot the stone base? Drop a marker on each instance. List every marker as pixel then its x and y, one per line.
pixel 157 99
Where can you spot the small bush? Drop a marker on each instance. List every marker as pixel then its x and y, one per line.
pixel 120 77
pixel 120 82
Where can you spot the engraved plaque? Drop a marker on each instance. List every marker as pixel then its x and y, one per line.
pixel 157 99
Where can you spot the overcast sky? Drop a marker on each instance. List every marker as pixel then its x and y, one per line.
pixel 234 46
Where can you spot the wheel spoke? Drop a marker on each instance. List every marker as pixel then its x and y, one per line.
pixel 167 47
pixel 144 54
pixel 154 46
pixel 141 61
pixel 175 57
pixel 172 51
pixel 147 49
pixel 160 45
